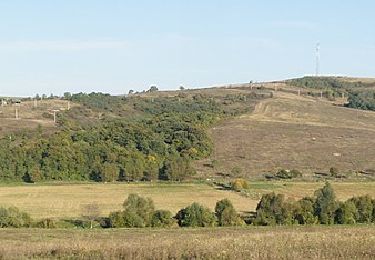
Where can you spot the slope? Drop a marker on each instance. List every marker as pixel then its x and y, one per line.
pixel 294 132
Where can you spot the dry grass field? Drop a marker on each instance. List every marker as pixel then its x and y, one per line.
pixel 30 117
pixel 318 242
pixel 65 200
pixel 294 132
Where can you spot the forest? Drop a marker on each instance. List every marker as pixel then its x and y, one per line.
pixel 111 138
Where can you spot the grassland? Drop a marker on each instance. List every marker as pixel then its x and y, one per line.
pixel 30 116
pixel 290 132
pixel 318 242
pixel 65 200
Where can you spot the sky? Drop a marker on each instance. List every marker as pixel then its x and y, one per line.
pixel 114 46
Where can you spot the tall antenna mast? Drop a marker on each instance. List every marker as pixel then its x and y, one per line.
pixel 317 68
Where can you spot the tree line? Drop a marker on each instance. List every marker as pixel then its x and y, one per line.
pixel 361 95
pixel 272 209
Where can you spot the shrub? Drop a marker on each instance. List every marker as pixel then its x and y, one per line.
pixel 162 218
pixel 346 213
pixel 137 212
pixel 195 215
pixel 304 211
pixel 334 172
pixel 239 184
pixel 236 171
pixel 46 223
pixel 272 210
pixel 364 208
pixel 13 217
pixel 226 214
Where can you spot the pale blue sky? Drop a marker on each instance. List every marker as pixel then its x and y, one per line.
pixel 114 46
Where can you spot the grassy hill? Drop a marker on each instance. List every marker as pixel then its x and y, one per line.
pixel 293 132
pixel 240 129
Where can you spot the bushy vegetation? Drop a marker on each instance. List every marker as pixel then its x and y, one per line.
pixel 13 217
pixel 273 209
pixel 284 174
pixel 195 215
pixel 361 95
pixel 239 184
pixel 362 100
pixel 118 139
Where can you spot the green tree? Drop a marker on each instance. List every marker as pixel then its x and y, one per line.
pixel 177 168
pixel 162 218
pixel 325 204
pixel 109 172
pixel 364 208
pixel 272 209
pixel 225 214
pixel 143 207
pixel 304 211
pixel 346 213
pixel 195 215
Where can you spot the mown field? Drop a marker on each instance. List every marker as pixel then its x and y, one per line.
pixel 64 201
pixel 293 132
pixel 319 242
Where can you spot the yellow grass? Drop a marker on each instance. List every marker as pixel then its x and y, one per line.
pixel 221 243
pixel 30 117
pixel 65 200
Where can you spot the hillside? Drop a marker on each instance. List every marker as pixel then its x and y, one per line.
pixel 294 132
pixel 239 129
pixel 31 115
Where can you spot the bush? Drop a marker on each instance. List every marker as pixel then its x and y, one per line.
pixel 195 215
pixel 46 223
pixel 304 211
pixel 364 208
pixel 346 213
pixel 162 218
pixel 272 210
pixel 239 184
pixel 334 172
pixel 137 212
pixel 226 215
pixel 13 217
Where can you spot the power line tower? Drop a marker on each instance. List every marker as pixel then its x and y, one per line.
pixel 317 57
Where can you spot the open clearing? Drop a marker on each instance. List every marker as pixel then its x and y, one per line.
pixel 65 200
pixel 338 242
pixel 294 132
pixel 30 117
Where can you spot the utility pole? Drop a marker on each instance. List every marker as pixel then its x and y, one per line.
pixel 17 116
pixel 54 115
pixel 317 57
pixel 35 102
pixel 68 105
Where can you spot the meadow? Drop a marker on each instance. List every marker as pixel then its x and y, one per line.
pixel 65 200
pixel 317 242
pixel 291 132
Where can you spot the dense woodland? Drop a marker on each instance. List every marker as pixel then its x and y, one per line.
pixel 111 138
